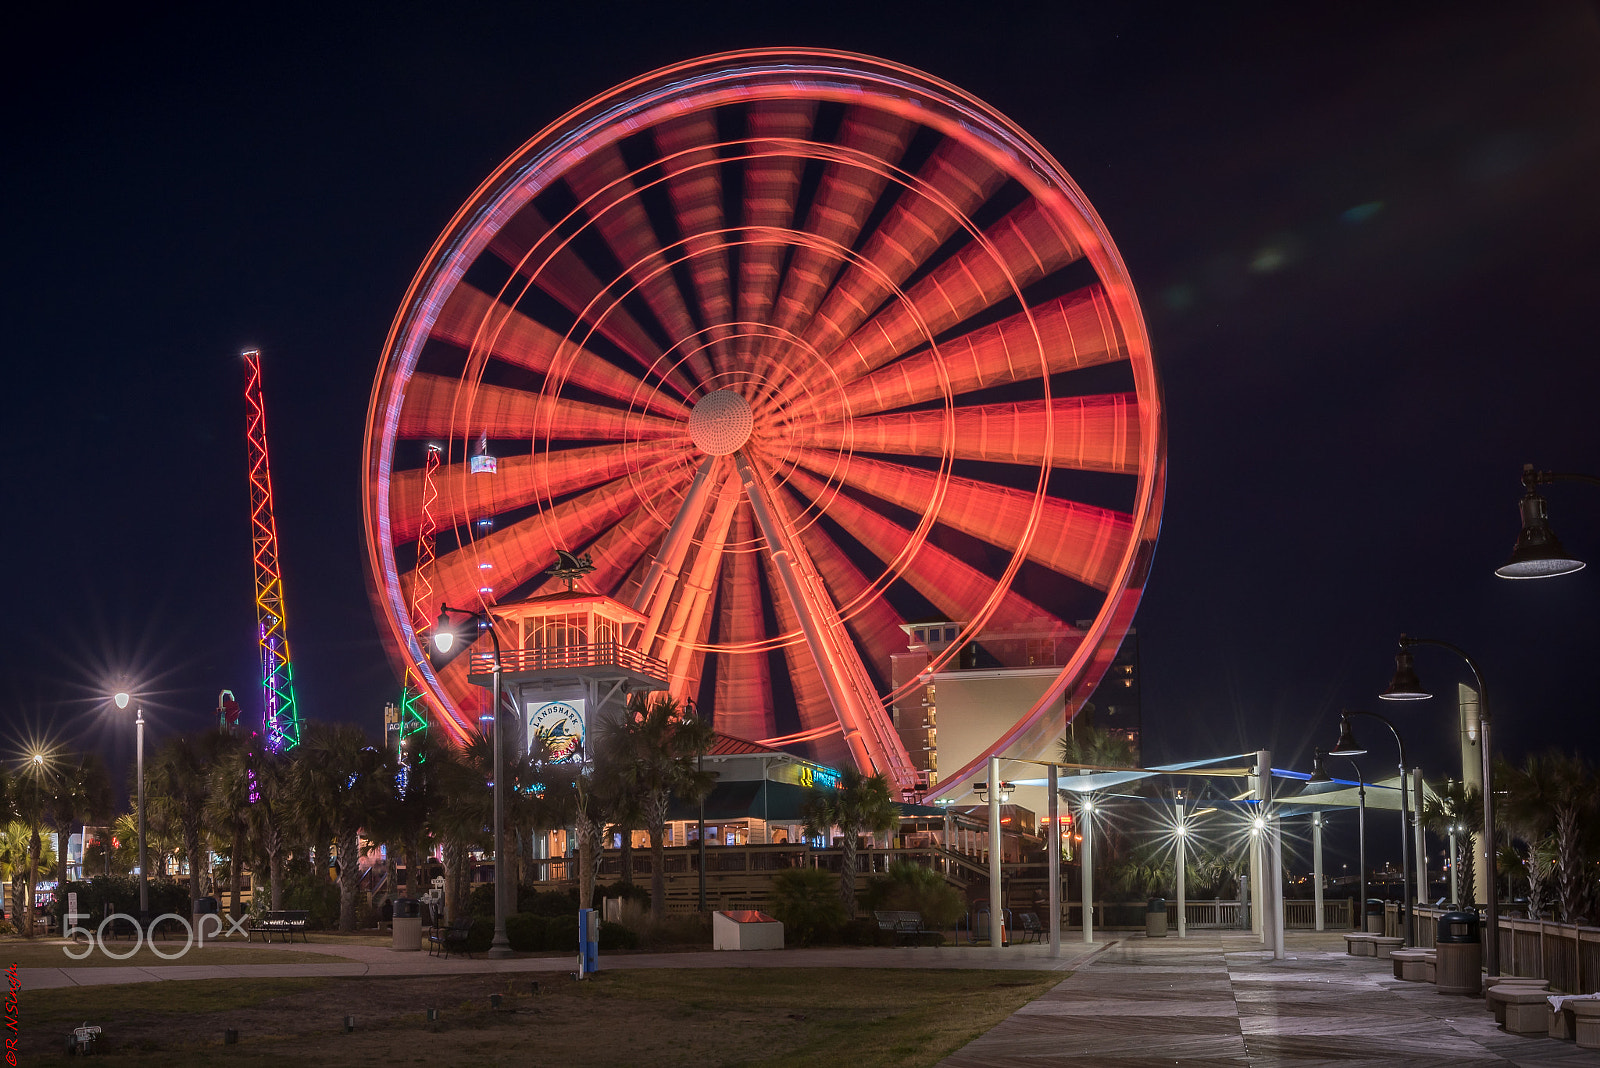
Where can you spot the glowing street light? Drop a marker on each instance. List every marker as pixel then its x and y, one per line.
pixel 121 699
pixel 1538 553
pixel 1347 746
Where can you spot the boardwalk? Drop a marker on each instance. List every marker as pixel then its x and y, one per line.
pixel 1215 1002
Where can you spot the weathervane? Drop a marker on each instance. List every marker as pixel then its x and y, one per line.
pixel 571 567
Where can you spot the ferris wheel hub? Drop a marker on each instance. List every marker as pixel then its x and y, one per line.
pixel 720 423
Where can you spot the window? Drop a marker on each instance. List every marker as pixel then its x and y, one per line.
pixel 949 634
pixel 920 634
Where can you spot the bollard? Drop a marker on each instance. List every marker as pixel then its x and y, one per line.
pixel 433 1015
pixel 494 1001
pixel 349 1024
pixel 536 988
pixel 230 1037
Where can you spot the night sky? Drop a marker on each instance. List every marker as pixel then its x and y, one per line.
pixel 1367 246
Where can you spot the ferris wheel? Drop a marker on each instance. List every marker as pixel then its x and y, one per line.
pixel 801 348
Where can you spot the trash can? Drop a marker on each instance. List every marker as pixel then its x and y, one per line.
pixel 206 905
pixel 407 934
pixel 1458 945
pixel 1155 918
pixel 1375 915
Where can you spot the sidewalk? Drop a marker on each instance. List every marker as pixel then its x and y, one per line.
pixel 382 962
pixel 1213 1000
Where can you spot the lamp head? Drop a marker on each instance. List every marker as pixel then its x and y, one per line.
pixel 38 760
pixel 1538 552
pixel 1404 686
pixel 443 637
pixel 121 698
pixel 1319 774
pixel 1346 746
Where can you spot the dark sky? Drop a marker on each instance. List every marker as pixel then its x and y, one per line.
pixel 1368 247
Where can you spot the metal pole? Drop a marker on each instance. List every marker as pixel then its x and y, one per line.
pixel 997 932
pixel 1183 870
pixel 1053 844
pixel 1455 876
pixel 1361 914
pixel 700 764
pixel 1086 825
pixel 1316 863
pixel 501 946
pixel 144 870
pixel 1419 840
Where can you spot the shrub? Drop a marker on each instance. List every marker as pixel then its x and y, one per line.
pixel 626 891
pixel 546 902
pixel 526 933
pixel 909 887
pixel 318 897
pixel 617 936
pixel 561 932
pixel 481 936
pixel 807 901
pixel 120 893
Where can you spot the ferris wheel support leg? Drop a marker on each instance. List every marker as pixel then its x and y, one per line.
pixel 663 571
pixel 868 745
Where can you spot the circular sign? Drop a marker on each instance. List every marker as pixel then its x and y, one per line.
pixel 556 729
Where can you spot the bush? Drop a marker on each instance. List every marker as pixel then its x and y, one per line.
pixel 561 932
pixel 807 901
pixel 481 936
pixel 121 894
pixel 617 936
pixel 317 897
pixel 909 887
pixel 526 933
pixel 546 902
pixel 626 891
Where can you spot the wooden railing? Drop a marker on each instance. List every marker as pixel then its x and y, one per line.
pixel 1566 954
pixel 570 657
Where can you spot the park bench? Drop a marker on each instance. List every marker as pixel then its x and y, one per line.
pixel 1031 927
pixel 1359 945
pixel 288 923
pixel 1522 1010
pixel 907 926
pixel 1410 964
pixel 443 941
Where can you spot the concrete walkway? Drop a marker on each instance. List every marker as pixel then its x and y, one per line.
pixel 382 962
pixel 1219 1001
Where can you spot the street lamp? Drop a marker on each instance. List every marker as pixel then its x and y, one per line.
pixel 1347 746
pixel 443 640
pixel 121 698
pixel 1406 687
pixel 982 790
pixel 1538 552
pixel 1319 774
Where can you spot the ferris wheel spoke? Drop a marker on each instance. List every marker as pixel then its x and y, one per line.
pixel 812 702
pixel 694 183
pixel 1020 249
pixel 844 200
pixel 1096 433
pixel 475 321
pixel 523 550
pixel 436 407
pixel 1066 334
pixel 771 187
pixel 950 186
pixel 1078 540
pixel 872 739
pixel 519 481
pixel 655 589
pixel 605 185
pixel 528 244
pixel 744 685
pixel 874 623
pixel 691 611
pixel 954 587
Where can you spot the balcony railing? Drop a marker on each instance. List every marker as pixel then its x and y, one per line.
pixel 571 658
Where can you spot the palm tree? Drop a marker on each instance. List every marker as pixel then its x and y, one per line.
pixel 658 749
pixel 861 803
pixel 462 815
pixel 180 776
pixel 1459 806
pixel 77 790
pixel 342 777
pixel 1551 797
pixel 1084 743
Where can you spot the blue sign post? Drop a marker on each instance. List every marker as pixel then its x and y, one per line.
pixel 588 942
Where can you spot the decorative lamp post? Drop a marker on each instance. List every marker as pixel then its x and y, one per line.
pixel 1405 686
pixel 1347 746
pixel 444 640
pixel 994 798
pixel 1538 553
pixel 122 698
pixel 1181 831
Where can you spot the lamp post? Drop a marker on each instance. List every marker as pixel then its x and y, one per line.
pixel 1348 746
pixel 995 793
pixel 1538 552
pixel 1182 833
pixel 1320 775
pixel 1405 686
pixel 122 698
pixel 443 639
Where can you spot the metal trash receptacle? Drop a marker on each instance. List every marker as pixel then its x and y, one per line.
pixel 1155 918
pixel 406 936
pixel 1375 915
pixel 1458 949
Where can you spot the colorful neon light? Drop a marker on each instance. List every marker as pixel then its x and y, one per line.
pixel 280 712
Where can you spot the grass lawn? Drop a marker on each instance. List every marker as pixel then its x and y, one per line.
pixel 52 954
pixel 872 1018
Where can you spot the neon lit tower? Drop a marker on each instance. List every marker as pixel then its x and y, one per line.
pixel 281 713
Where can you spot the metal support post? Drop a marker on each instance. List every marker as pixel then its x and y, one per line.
pixel 1053 845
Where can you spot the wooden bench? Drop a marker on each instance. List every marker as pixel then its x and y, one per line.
pixel 907 926
pixel 1522 1010
pixel 1383 946
pixel 1410 964
pixel 1031 927
pixel 1586 1022
pixel 443 941
pixel 286 922
pixel 1359 945
pixel 1490 982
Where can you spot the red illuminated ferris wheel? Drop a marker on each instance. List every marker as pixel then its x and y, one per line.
pixel 800 347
